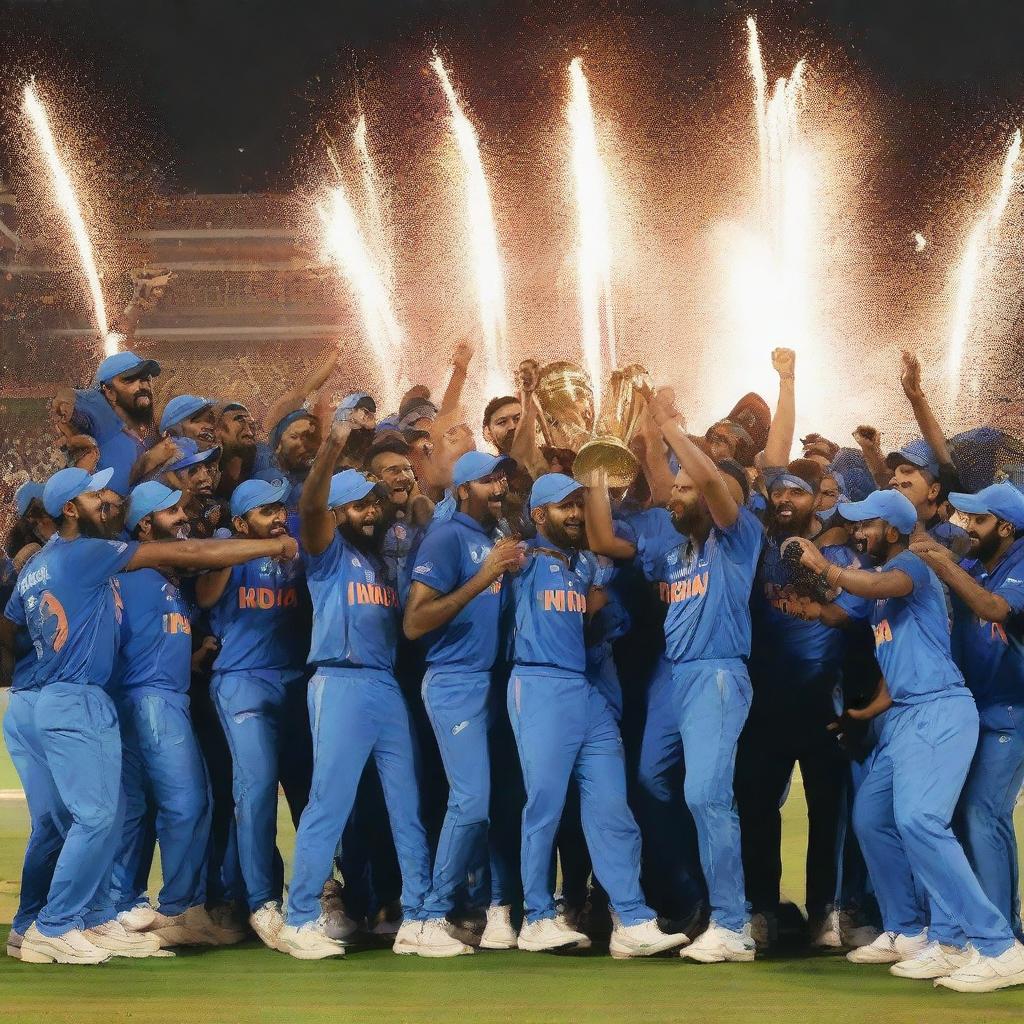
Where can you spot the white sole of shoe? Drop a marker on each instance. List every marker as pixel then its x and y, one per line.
pixel 537 947
pixel 625 953
pixel 873 960
pixel 988 985
pixel 137 954
pixel 498 943
pixel 321 953
pixel 699 957
pixel 436 954
pixel 14 952
pixel 405 948
pixel 911 975
pixel 32 954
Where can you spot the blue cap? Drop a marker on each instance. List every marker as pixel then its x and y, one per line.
pixel 351 401
pixel 918 453
pixel 181 407
pixel 348 485
pixel 895 508
pixel 26 494
pixel 256 493
pixel 552 488
pixel 1002 500
pixel 67 484
pixel 474 465
pixel 284 423
pixel 190 455
pixel 126 362
pixel 146 498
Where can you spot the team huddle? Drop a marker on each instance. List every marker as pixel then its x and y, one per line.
pixel 515 697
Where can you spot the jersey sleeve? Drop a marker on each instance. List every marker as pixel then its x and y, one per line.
pixel 655 535
pixel 587 571
pixel 93 415
pixel 438 560
pixel 95 561
pixel 742 541
pixel 15 609
pixel 1011 590
pixel 913 566
pixel 321 566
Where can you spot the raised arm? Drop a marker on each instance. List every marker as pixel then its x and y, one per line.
pixel 779 445
pixel 208 554
pixel 525 449
pixel 601 538
pixel 296 397
pixel 428 609
pixel 698 466
pixel 316 520
pixel 452 400
pixel 870 443
pixel 910 378
pixel 987 606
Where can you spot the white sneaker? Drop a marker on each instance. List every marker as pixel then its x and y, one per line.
pixel 407 938
pixel 72 947
pixel 934 961
pixel 889 948
pixel 194 927
pixel 267 922
pixel 114 936
pixel 643 939
pixel 987 973
pixel 138 919
pixel 14 941
pixel 828 934
pixel 436 940
pixel 548 934
pixel 308 941
pixel 569 921
pixel 718 945
pixel 764 930
pixel 499 933
pixel 854 933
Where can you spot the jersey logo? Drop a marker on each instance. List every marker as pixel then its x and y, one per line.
pixel 356 562
pixel 564 601
pixel 266 597
pixel 554 569
pixel 424 567
pixel 883 633
pixel 54 621
pixel 456 729
pixel 371 593
pixel 683 590
pixel 175 623
pixel 31 579
pixel 115 586
pixel 997 633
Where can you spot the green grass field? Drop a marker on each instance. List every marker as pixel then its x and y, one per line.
pixel 251 983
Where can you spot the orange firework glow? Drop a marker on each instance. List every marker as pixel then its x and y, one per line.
pixel 67 200
pixel 594 245
pixel 483 240
pixel 970 266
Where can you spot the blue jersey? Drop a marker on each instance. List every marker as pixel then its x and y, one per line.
pixel 778 634
pixel 449 556
pixel 707 591
pixel 550 597
pixel 991 654
pixel 262 618
pixel 156 636
pixel 69 599
pixel 400 544
pixel 25 660
pixel 356 614
pixel 912 637
pixel 119 447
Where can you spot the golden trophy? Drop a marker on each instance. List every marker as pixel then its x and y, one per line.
pixel 566 399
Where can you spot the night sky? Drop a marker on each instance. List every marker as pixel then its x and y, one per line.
pixel 225 92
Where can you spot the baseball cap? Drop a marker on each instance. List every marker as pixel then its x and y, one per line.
pixel 190 455
pixel 896 509
pixel 355 400
pixel 26 494
pixel 67 484
pixel 126 362
pixel 421 409
pixel 1002 500
pixel 551 488
pixel 151 496
pixel 256 493
pixel 918 453
pixel 181 407
pixel 474 465
pixel 346 486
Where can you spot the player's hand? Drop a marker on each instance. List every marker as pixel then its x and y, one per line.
pixel 463 355
pixel 504 557
pixel 910 376
pixel 166 450
pixel 784 362
pixel 204 652
pixel 289 548
pixel 929 549
pixel 867 437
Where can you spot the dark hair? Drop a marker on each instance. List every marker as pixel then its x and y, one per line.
pixel 732 468
pixel 809 471
pixel 495 404
pixel 392 444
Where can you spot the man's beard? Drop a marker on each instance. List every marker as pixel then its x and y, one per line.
pixel 357 538
pixel 689 521
pixel 797 526
pixel 986 548
pixel 559 537
pixel 97 530
pixel 140 414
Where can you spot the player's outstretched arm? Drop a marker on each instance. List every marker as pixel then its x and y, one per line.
pixel 208 554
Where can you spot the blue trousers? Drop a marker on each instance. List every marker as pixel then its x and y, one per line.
pixel 697 717
pixel 134 857
pixel 356 713
pixel 267 728
pixel 49 817
pixel 458 706
pixel 984 818
pixel 172 777
pixel 902 815
pixel 77 729
pixel 564 727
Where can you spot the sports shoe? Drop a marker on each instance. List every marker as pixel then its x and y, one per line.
pixel 569 921
pixel 718 945
pixel 889 948
pixel 267 922
pixel 114 936
pixel 986 973
pixel 337 924
pixel 498 932
pixel 467 928
pixel 194 927
pixel 14 941
pixel 934 961
pixel 764 929
pixel 436 940
pixel 138 919
pixel 71 947
pixel 855 933
pixel 407 938
pixel 827 933
pixel 549 934
pixel 643 939
pixel 308 941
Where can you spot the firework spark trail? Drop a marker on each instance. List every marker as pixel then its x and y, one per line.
pixel 756 65
pixel 483 238
pixel 594 252
pixel 67 200
pixel 380 239
pixel 978 243
pixel 346 245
